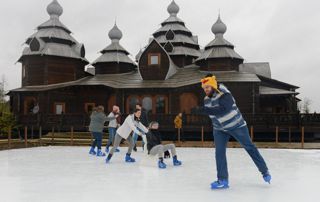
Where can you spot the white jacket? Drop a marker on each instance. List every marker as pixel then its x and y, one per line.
pixel 113 123
pixel 130 125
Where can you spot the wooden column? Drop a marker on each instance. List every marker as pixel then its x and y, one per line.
pixel 52 136
pixel 32 132
pixel 72 136
pixel 9 138
pixel 302 137
pixel 26 136
pixel 289 134
pixel 40 136
pixel 251 133
pixel 202 135
pixel 179 135
pixel 277 134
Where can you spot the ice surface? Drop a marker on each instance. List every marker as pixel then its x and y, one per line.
pixel 69 174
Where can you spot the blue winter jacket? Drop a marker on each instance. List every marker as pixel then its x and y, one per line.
pixel 223 111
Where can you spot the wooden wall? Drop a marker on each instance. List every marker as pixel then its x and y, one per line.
pixel 220 64
pixel 113 68
pixel 43 70
pixel 154 72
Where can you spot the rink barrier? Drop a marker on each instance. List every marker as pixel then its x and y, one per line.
pixel 10 142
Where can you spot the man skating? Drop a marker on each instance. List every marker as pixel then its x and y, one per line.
pixel 227 121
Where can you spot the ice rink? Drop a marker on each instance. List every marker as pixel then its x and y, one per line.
pixel 70 174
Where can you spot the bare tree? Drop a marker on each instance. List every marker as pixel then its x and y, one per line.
pixel 3 84
pixel 305 107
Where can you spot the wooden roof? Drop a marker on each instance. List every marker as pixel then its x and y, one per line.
pixel 183 77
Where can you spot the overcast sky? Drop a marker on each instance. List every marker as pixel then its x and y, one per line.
pixel 285 33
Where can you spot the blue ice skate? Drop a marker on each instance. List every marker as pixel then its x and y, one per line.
pixel 161 164
pixel 128 159
pixel 100 153
pixel 92 152
pixel 176 162
pixel 267 177
pixel 220 184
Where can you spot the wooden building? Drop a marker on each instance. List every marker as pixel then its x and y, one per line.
pixel 165 77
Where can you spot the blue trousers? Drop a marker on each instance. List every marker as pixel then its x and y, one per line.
pixel 221 139
pixel 112 134
pixel 97 140
pixel 135 138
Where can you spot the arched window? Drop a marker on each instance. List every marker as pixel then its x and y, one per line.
pixel 160 105
pixel 29 104
pixel 132 103
pixel 147 104
pixel 188 101
pixel 112 101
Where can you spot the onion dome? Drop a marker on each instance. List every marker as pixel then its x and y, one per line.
pixel 176 38
pixel 115 33
pixel 219 27
pixel 53 38
pixel 219 47
pixel 173 9
pixel 54 9
pixel 114 58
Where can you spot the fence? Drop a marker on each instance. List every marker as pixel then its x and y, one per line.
pixel 29 139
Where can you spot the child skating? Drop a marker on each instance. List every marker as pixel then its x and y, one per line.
pixel 155 147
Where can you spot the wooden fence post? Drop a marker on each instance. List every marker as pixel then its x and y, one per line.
pixel 302 137
pixel 277 134
pixel 40 136
pixel 9 138
pixel 179 135
pixel 251 133
pixel 72 136
pixel 32 132
pixel 52 136
pixel 290 134
pixel 202 136
pixel 26 136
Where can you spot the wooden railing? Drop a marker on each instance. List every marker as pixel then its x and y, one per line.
pixel 81 121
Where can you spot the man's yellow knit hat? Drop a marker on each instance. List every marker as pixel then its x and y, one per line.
pixel 211 81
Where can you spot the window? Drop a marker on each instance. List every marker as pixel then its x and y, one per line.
pixel 88 107
pixel 160 105
pixel 29 104
pixel 59 108
pixel 23 71
pixel 147 104
pixel 154 59
pixel 132 103
pixel 151 103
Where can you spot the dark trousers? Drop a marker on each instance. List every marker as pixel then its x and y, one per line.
pixel 221 139
pixel 97 140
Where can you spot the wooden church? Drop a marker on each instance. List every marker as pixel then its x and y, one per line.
pixel 164 78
